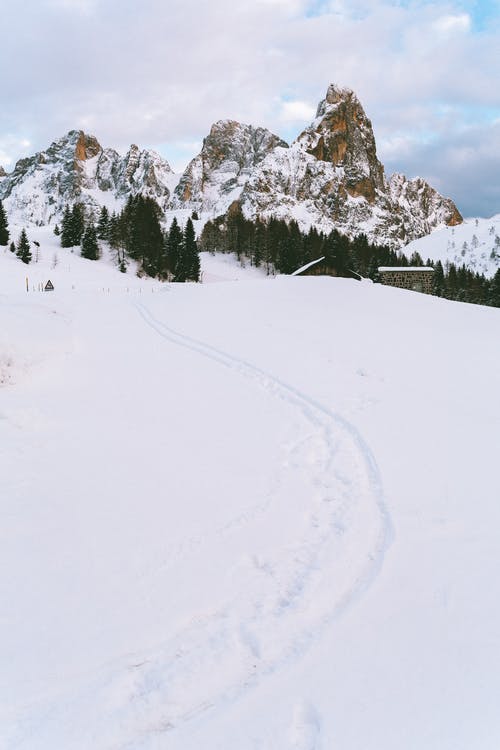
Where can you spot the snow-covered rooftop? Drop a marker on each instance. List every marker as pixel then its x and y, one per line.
pixel 307 265
pixel 405 268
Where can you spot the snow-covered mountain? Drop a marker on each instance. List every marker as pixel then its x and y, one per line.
pixel 77 168
pixel 329 177
pixel 229 156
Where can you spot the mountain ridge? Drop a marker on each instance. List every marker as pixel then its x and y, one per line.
pixel 329 176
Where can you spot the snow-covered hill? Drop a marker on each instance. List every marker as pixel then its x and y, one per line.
pixel 255 514
pixel 475 244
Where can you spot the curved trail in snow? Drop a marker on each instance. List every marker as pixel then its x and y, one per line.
pixel 287 599
pixel 297 596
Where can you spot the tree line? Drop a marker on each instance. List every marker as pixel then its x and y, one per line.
pixel 22 248
pixel 281 247
pixel 136 232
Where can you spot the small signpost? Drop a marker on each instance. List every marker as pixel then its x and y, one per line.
pixel 49 286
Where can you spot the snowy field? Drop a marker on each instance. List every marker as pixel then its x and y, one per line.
pixel 257 515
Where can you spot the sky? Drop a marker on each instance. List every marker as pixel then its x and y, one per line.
pixel 158 73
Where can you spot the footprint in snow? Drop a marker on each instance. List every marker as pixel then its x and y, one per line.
pixel 305 728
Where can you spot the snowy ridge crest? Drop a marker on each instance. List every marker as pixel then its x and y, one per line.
pixel 77 168
pixel 330 177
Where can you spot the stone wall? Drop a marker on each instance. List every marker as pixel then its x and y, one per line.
pixel 418 281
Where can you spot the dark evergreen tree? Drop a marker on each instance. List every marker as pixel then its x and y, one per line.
pixel 142 234
pixel 173 250
pixel 4 226
pixel 451 282
pixel 77 223
pixel 438 279
pixel 57 231
pixel 103 224
pixel 190 258
pixel 90 248
pixel 114 232
pixel 494 290
pixel 66 229
pixel 416 259
pixel 259 248
pixel 12 247
pixel 23 248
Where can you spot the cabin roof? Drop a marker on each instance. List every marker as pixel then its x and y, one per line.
pixel 308 265
pixel 405 268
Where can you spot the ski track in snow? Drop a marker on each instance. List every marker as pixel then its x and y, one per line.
pixel 298 592
pixel 349 482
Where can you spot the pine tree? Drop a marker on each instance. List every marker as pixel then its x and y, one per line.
pixel 66 229
pixel 494 291
pixel 4 227
pixel 438 279
pixel 174 250
pixel 77 223
pixel 191 257
pixel 57 231
pixel 90 248
pixel 23 248
pixel 12 247
pixel 142 234
pixel 103 224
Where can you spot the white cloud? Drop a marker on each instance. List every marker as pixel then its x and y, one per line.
pixel 453 24
pixel 158 72
pixel 5 159
pixel 296 111
pixel 78 6
pixel 13 148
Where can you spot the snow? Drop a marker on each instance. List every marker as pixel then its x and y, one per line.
pixel 405 268
pixel 475 243
pixel 235 515
pixel 308 265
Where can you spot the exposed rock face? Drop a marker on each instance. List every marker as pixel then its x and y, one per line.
pixel 86 147
pixel 426 204
pixel 3 173
pixel 76 168
pixel 342 135
pixel 216 177
pixel 329 177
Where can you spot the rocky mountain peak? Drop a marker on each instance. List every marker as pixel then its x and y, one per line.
pixel 145 172
pixel 336 95
pixel 342 135
pixel 230 152
pixel 74 145
pixel 246 145
pixel 329 177
pixel 76 168
pixel 86 147
pixel 3 173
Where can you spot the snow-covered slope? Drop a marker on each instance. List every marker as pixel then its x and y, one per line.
pixel 238 516
pixel 76 168
pixel 475 243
